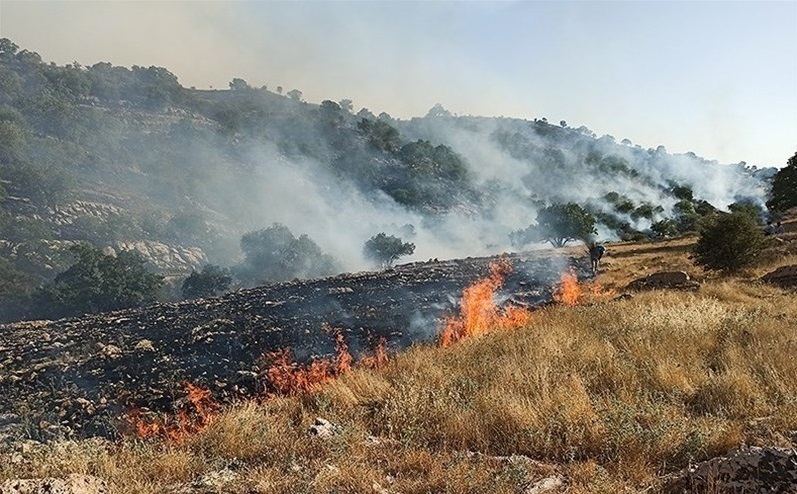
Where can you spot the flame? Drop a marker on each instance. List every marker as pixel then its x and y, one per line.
pixel 197 412
pixel 478 311
pixel 571 292
pixel 379 358
pixel 286 377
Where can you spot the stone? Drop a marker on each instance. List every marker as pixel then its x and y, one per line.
pixel 784 277
pixel 753 469
pixel 548 484
pixel 72 484
pixel 677 280
pixel 145 345
pixel 323 428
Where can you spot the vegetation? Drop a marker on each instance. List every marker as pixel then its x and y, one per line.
pixel 558 224
pixel 209 282
pixel 611 395
pixel 275 254
pixel 729 242
pixel 784 187
pixel 386 249
pixel 97 282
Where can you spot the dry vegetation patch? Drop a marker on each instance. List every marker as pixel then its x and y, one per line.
pixel 612 394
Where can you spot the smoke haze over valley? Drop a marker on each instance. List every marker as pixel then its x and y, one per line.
pixel 119 150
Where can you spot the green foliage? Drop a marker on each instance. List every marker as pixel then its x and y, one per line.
pixel 211 281
pixel 665 228
pixel 274 254
pixel 557 224
pixel 97 282
pixel 683 192
pixel 381 135
pixel 729 242
pixel 238 84
pixel 749 208
pixel 386 249
pixel 784 187
pixel 425 160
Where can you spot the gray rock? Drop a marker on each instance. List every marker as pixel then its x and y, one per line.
pixel 677 280
pixel 752 469
pixel 784 277
pixel 324 428
pixel 73 484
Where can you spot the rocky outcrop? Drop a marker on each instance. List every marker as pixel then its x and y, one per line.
pixel 674 280
pixel 164 256
pixel 784 277
pixel 73 484
pixel 752 469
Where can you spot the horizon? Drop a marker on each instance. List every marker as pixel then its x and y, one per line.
pixel 715 78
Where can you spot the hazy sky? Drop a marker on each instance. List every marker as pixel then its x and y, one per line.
pixel 716 78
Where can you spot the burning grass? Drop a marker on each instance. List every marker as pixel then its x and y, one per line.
pixel 610 394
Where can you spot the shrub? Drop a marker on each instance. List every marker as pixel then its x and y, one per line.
pixel 729 242
pixel 386 249
pixel 211 281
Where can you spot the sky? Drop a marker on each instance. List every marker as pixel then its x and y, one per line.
pixel 715 78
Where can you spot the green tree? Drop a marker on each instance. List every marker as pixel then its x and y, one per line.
pixel 238 84
pixel 750 208
pixel 665 228
pixel 557 224
pixel 275 254
pixel 784 187
pixel 97 282
pixel 729 242
pixel 211 281
pixel 386 249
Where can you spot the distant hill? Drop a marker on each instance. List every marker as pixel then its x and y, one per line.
pixel 122 157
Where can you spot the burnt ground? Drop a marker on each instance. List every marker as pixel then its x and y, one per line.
pixel 76 377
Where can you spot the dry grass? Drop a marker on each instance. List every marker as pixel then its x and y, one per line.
pixel 612 394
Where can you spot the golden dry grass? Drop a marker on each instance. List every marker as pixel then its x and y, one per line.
pixel 611 394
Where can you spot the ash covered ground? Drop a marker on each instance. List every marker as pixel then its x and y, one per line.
pixel 76 377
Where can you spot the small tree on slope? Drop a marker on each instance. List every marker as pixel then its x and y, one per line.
pixel 386 249
pixel 729 242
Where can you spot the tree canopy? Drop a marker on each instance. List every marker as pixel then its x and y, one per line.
pixel 275 254
pixel 784 187
pixel 729 242
pixel 209 282
pixel 98 282
pixel 557 224
pixel 386 249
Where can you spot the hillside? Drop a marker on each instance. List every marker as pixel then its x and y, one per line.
pixel 613 394
pixel 128 158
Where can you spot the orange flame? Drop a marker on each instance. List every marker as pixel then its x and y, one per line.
pixel 287 378
pixel 571 292
pixel 379 358
pixel 198 411
pixel 478 311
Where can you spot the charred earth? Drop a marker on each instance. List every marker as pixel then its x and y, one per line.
pixel 78 376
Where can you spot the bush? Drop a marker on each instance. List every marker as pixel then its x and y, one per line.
pixel 211 281
pixel 97 282
pixel 729 242
pixel 386 249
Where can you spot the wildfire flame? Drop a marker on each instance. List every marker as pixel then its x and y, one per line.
pixel 285 377
pixel 379 358
pixel 571 292
pixel 198 411
pixel 478 312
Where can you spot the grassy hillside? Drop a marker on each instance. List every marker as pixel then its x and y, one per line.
pixel 610 394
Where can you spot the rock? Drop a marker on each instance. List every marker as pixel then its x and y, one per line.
pixel 324 428
pixel 784 277
pixel 548 484
pixel 340 289
pixel 111 352
pixel 752 469
pixel 145 345
pixel 677 280
pixel 73 484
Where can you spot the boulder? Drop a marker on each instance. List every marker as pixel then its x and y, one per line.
pixel 752 469
pixel 677 280
pixel 784 277
pixel 73 484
